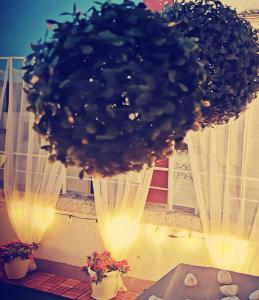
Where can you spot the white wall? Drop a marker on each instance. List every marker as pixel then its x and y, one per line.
pixel 70 242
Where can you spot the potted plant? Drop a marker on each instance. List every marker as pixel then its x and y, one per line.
pixel 228 47
pixel 16 258
pixel 113 90
pixel 105 272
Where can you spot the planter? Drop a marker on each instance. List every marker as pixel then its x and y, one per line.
pixel 17 268
pixel 32 265
pixel 107 288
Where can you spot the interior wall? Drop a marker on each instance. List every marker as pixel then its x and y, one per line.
pixel 69 242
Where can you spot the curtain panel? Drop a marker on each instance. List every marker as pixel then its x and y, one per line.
pixel 120 202
pixel 31 184
pixel 225 169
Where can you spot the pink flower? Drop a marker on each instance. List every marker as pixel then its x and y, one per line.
pixel 126 268
pixel 106 253
pixel 101 266
pixel 103 262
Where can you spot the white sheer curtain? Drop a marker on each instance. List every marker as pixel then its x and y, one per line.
pixel 31 183
pixel 225 168
pixel 242 5
pixel 3 85
pixel 120 202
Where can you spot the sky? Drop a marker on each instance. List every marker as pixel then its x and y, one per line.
pixel 24 21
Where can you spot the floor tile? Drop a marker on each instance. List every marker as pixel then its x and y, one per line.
pixel 71 288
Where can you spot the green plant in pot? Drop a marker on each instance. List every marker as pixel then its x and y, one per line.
pixel 229 50
pixel 113 91
pixel 16 258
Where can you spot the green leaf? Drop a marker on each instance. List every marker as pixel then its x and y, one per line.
pixel 135 32
pixel 118 42
pixel 183 87
pixel 35 47
pixel 107 35
pixel 71 41
pixel 87 49
pixel 91 128
pixel 65 14
pixel 160 41
pixel 31 108
pixel 46 147
pixel 171 76
pixel 81 174
pixel 88 28
pixel 52 22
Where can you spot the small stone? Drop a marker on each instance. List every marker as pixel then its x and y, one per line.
pixel 254 295
pixel 224 277
pixel 230 298
pixel 190 280
pixel 229 290
pixel 153 297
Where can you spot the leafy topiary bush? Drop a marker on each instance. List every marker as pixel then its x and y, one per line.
pixel 229 49
pixel 112 92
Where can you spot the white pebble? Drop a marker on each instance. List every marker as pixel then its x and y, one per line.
pixel 153 297
pixel 224 277
pixel 190 280
pixel 254 295
pixel 229 290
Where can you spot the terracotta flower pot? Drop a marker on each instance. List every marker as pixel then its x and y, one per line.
pixel 17 268
pixel 107 288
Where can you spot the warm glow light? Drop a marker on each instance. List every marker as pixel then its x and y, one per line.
pixel 157 234
pixel 29 219
pixel 120 233
pixel 228 252
pixel 190 241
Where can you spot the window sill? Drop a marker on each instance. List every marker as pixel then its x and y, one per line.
pixel 155 213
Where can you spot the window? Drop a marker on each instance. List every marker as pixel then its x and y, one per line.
pixel 76 186
pixel 172 183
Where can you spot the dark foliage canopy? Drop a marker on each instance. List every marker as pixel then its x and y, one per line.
pixel 112 91
pixel 228 48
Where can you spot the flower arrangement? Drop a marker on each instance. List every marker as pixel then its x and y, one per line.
pixel 102 263
pixel 14 249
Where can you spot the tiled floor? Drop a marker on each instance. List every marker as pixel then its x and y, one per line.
pixel 65 287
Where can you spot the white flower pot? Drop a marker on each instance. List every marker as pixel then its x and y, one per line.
pixel 17 268
pixel 32 265
pixel 107 288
